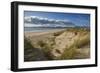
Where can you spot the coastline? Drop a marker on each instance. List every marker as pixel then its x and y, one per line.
pixel 30 34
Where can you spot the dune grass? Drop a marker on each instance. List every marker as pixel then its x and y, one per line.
pixel 27 44
pixel 70 53
pixel 28 47
pixel 81 42
pixel 46 48
pixel 58 33
pixel 32 53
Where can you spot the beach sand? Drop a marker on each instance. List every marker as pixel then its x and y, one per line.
pixel 63 44
pixel 30 34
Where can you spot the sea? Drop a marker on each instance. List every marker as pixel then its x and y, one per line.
pixel 42 29
pixel 45 29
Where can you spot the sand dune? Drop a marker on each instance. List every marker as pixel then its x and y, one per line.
pixel 73 43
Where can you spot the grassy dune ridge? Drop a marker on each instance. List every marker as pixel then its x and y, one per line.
pixel 71 43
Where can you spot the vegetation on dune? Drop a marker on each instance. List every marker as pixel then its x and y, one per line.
pixel 78 29
pixel 27 44
pixel 81 42
pixel 31 53
pixel 70 53
pixel 81 31
pixel 47 45
pixel 46 48
pixel 27 50
pixel 41 43
pixel 58 33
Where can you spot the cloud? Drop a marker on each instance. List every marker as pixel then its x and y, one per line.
pixel 35 21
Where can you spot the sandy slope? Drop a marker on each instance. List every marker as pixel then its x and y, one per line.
pixel 61 42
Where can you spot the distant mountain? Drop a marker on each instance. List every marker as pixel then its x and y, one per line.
pixel 34 21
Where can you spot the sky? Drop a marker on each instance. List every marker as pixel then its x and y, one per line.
pixel 78 19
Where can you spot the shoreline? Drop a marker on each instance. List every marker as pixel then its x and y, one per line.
pixel 42 33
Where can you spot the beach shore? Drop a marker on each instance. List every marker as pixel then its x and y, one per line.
pixel 30 34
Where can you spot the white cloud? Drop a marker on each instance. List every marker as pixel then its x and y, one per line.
pixel 36 21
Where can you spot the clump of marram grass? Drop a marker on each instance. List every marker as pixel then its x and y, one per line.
pixel 51 41
pixel 33 53
pixel 80 30
pixel 28 47
pixel 82 41
pixel 41 43
pixel 27 44
pixel 71 52
pixel 58 33
pixel 46 48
